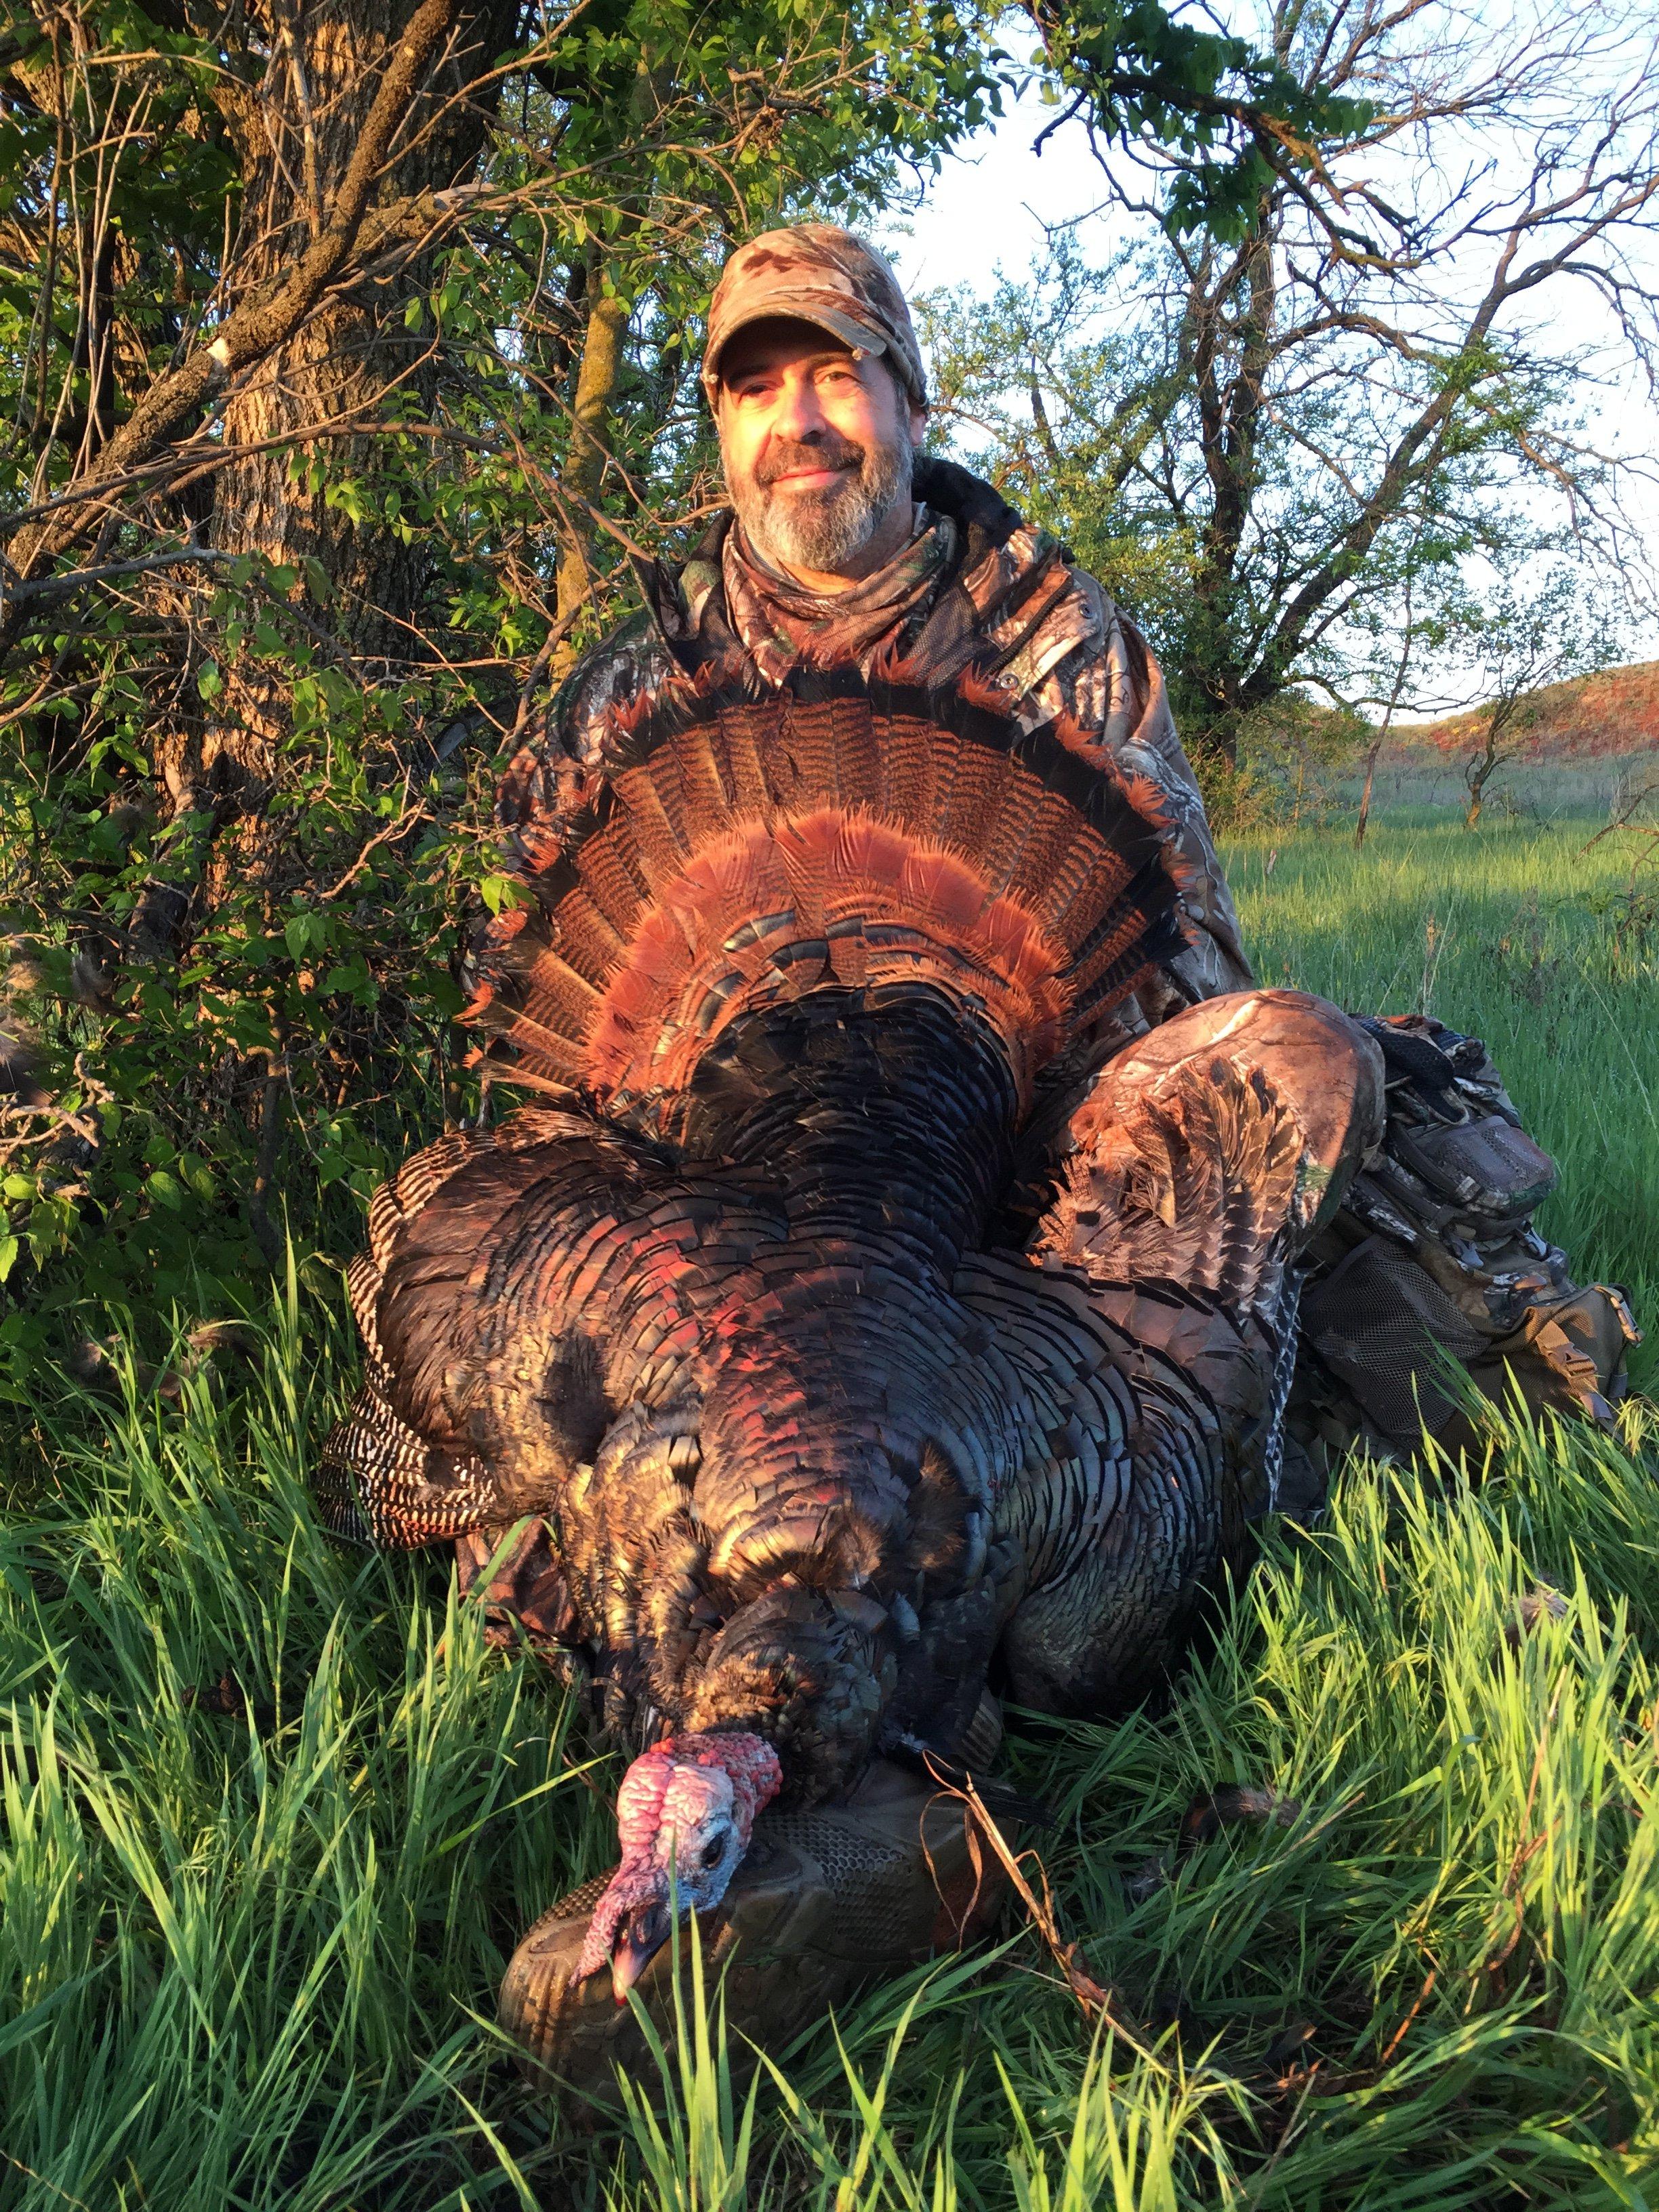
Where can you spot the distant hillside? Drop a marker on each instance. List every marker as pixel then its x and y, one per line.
pixel 1616 712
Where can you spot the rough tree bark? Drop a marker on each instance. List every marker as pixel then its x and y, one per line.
pixel 345 84
pixel 584 476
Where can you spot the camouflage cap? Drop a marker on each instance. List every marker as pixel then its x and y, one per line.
pixel 816 273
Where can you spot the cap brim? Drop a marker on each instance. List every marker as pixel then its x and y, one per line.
pixel 794 307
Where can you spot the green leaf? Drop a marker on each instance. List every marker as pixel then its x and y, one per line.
pixel 499 892
pixel 165 1190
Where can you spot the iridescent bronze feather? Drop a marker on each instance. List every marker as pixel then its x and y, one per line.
pixel 813 1451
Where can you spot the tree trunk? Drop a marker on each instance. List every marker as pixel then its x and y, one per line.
pixel 1485 765
pixel 584 475
pixel 359 582
pixel 1361 825
pixel 343 362
pixel 1232 310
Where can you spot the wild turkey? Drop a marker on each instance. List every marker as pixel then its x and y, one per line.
pixel 821 1437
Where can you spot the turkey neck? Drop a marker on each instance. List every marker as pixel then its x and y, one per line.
pixel 886 1114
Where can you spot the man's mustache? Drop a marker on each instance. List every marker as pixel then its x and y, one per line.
pixel 785 456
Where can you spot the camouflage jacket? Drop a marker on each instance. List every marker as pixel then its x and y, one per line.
pixel 1006 600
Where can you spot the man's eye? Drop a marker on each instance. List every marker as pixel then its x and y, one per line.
pixel 714 1851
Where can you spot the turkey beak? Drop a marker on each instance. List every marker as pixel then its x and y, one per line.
pixel 640 1937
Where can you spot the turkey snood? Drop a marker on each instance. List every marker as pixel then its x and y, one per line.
pixel 819 1437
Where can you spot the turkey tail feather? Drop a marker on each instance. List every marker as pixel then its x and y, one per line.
pixel 733 853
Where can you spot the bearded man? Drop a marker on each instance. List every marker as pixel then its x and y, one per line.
pixel 845 541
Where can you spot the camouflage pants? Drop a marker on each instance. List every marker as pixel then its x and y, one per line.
pixel 1430 1262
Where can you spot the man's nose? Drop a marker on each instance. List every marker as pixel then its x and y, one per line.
pixel 799 414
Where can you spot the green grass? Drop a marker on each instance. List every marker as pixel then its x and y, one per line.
pixel 250 1960
pixel 1515 933
pixel 1561 788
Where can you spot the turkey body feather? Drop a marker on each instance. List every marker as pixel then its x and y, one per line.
pixel 816 1457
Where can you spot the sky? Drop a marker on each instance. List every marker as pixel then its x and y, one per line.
pixel 989 205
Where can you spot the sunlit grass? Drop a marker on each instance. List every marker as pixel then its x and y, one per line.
pixel 1549 951
pixel 250 1958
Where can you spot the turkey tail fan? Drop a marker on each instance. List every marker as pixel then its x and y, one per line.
pixel 735 851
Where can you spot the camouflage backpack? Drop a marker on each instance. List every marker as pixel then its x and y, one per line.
pixel 1434 1252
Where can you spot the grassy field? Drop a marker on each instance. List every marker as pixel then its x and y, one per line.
pixel 1518 932
pixel 1563 790
pixel 247 1958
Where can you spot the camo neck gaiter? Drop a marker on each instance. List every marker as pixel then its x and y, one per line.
pixel 782 623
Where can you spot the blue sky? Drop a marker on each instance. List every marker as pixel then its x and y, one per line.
pixel 990 204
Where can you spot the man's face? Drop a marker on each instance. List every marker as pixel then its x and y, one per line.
pixel 817 446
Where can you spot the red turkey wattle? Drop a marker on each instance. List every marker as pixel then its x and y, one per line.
pixel 685 1813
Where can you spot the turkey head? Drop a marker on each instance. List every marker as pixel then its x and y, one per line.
pixel 684 1814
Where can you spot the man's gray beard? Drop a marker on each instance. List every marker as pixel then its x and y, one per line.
pixel 825 530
